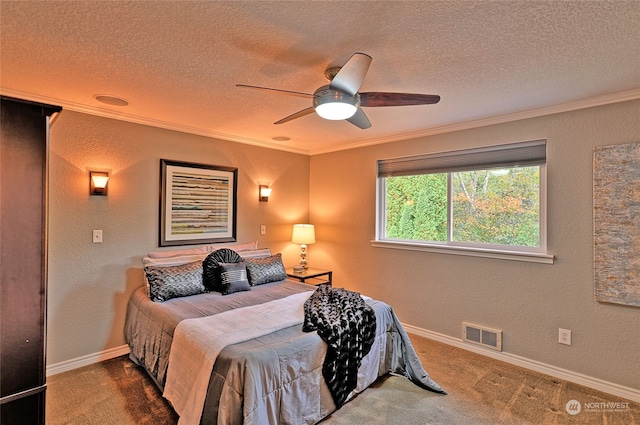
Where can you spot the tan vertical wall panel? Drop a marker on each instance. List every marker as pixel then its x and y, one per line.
pixel 616 223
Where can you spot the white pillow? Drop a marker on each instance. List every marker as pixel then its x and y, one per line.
pixel 249 246
pixel 255 253
pixel 173 261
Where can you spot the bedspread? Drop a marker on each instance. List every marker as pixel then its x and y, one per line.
pixel 149 325
pixel 272 379
pixel 197 343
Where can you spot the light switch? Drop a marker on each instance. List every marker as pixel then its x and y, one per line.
pixel 97 236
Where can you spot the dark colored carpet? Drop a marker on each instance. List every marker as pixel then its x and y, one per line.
pixel 482 391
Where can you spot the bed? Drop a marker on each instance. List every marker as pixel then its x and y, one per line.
pixel 243 357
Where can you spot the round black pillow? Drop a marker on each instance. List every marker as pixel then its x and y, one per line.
pixel 211 267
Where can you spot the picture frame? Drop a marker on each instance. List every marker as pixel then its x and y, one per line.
pixel 198 203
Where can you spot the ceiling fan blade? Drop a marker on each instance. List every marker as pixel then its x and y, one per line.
pixel 351 75
pixel 397 99
pixel 298 114
pixel 360 119
pixel 294 93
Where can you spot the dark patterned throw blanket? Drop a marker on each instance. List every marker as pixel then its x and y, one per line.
pixel 348 326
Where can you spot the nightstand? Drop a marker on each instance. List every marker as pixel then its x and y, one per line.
pixel 311 276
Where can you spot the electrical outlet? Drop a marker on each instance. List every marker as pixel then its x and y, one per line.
pixel 263 230
pixel 564 336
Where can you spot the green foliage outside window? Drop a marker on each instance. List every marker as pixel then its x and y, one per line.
pixel 499 207
pixel 417 207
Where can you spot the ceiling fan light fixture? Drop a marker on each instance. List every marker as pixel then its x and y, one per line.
pixel 332 104
pixel 336 110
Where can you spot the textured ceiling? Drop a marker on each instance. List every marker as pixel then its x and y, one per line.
pixel 177 62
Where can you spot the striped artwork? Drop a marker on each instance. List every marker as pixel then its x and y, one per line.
pixel 197 203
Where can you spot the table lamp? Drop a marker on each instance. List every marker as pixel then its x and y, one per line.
pixel 303 234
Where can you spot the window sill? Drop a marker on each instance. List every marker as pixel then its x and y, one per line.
pixel 533 257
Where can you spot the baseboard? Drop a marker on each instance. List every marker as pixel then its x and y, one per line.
pixel 87 360
pixel 567 375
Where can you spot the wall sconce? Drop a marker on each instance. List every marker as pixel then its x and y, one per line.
pixel 303 234
pixel 263 193
pixel 98 183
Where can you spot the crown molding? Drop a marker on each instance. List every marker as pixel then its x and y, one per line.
pixel 499 119
pixel 483 122
pixel 104 113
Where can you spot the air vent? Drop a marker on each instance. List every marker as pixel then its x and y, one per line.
pixel 479 335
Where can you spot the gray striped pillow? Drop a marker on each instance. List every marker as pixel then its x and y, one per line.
pixel 233 278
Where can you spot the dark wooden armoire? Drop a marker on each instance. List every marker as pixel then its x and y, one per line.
pixel 24 143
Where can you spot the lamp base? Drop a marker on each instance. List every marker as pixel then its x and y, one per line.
pixel 303 256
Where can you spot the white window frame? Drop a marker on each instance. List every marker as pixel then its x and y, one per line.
pixel 537 254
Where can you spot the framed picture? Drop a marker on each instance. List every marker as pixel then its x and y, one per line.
pixel 197 203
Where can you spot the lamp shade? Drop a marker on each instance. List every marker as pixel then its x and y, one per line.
pixel 98 182
pixel 263 193
pixel 303 234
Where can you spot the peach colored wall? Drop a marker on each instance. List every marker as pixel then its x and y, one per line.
pixel 528 301
pixel 89 284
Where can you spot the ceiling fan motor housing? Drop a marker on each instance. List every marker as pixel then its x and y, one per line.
pixel 333 104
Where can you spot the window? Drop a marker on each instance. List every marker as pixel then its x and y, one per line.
pixel 488 200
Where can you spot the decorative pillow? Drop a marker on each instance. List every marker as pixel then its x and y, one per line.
pixel 211 267
pixel 264 270
pixel 167 262
pixel 174 281
pixel 233 277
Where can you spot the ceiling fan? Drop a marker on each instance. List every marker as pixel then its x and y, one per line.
pixel 340 99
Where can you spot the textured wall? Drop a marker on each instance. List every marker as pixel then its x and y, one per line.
pixel 528 301
pixel 89 284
